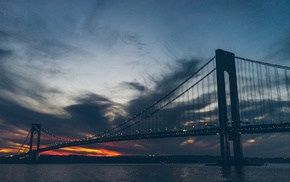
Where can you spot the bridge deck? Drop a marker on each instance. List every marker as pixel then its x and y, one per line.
pixel 247 129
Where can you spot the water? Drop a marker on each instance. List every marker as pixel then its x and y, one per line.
pixel 137 172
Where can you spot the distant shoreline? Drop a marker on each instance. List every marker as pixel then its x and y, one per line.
pixel 56 159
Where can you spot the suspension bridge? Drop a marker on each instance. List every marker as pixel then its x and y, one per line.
pixel 226 97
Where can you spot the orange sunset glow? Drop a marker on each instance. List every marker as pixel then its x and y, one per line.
pixel 82 151
pixel 8 150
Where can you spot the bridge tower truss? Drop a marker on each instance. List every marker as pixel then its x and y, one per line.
pixel 35 129
pixel 225 63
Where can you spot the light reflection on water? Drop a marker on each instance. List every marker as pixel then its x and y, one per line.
pixel 144 173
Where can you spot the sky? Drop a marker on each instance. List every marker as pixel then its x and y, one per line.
pixel 80 67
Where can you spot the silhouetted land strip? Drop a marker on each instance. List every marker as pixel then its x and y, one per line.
pixel 56 159
pixel 47 159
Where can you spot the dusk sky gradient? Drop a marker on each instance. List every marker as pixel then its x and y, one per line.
pixel 81 67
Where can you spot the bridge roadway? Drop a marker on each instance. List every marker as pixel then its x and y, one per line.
pixel 246 129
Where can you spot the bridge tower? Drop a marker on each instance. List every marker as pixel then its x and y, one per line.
pixel 225 63
pixel 33 154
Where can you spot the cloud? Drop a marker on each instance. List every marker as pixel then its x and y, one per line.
pixel 87 117
pixel 179 72
pixel 17 85
pixel 16 122
pixel 261 145
pixel 188 141
pixel 25 99
pixel 138 145
pixel 38 48
pixel 135 86
pixel 92 113
pixel 25 56
pixel 91 151
pixel 95 113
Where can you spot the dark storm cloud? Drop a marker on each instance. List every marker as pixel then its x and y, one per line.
pixel 163 85
pixel 85 117
pixel 92 98
pixel 135 86
pixel 178 73
pixel 89 114
pixel 41 29
pixel 92 113
pixel 20 117
pixel 17 114
pixel 254 111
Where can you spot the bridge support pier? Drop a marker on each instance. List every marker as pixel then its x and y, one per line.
pixel 33 154
pixel 225 63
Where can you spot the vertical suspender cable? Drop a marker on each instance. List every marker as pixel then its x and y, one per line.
pixel 269 93
pixel 254 90
pixel 288 93
pixel 260 92
pixel 157 124
pixel 209 97
pixel 279 108
pixel 198 107
pixel 216 98
pixel 238 66
pixel 246 92
pixel 182 109
pixel 251 103
pixel 203 101
pixel 187 106
pixel 246 105
pixel 263 93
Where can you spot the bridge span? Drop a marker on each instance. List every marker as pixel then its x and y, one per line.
pixel 228 96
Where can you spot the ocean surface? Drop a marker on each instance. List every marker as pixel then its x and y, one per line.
pixel 142 172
